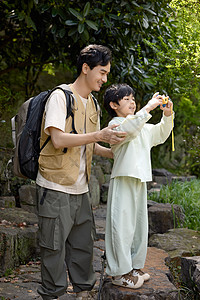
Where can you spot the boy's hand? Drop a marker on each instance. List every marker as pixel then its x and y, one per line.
pixel 168 109
pixel 154 102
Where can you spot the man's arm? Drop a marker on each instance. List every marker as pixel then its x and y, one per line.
pixel 102 151
pixel 62 139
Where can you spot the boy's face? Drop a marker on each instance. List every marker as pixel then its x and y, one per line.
pixel 96 77
pixel 126 106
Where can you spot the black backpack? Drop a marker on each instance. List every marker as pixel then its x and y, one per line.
pixel 26 128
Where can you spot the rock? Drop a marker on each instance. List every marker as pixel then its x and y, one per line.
pixel 183 178
pixel 178 242
pixel 190 272
pixel 154 190
pixel 161 172
pixel 27 197
pixel 151 203
pixel 162 180
pixel 164 216
pixel 105 163
pixel 98 173
pixel 7 201
pixel 104 192
pixel 18 237
pixel 17 246
pixel 107 178
pixel 18 215
pixel 94 191
pixel 162 176
pixel 157 288
pixel 100 221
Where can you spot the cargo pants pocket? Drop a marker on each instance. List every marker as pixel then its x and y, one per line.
pixel 49 221
pixel 49 232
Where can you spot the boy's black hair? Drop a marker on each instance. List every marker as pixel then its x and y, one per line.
pixel 93 55
pixel 115 93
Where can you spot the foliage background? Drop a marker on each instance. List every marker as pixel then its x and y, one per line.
pixel 155 46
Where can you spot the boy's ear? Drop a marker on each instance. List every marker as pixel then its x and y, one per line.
pixel 113 105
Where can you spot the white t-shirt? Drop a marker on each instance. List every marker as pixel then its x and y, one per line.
pixel 57 103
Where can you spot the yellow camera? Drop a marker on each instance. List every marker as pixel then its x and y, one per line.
pixel 165 101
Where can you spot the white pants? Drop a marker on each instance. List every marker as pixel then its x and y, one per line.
pixel 126 225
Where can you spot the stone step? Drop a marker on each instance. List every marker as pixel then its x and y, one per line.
pixel 158 287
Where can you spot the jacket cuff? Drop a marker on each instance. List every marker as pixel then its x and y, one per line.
pixel 169 118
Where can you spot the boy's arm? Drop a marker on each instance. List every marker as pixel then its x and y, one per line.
pixel 161 131
pixel 133 124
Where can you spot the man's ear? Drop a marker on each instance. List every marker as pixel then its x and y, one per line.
pixel 85 68
pixel 113 105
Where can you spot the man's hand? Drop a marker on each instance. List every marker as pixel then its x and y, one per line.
pixel 108 135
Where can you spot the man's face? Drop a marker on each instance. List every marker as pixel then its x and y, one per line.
pixel 97 76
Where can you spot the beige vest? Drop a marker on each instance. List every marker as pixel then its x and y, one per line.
pixel 63 168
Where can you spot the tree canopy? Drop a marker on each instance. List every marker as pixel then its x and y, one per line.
pixel 155 46
pixel 36 33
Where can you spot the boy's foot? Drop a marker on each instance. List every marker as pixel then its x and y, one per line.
pixel 145 276
pixel 82 295
pixel 129 280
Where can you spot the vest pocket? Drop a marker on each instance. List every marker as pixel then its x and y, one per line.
pixel 94 118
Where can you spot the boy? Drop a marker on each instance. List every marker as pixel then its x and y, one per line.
pixel 127 220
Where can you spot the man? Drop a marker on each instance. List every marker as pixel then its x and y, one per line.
pixel 65 216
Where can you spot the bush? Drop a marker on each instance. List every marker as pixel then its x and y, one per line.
pixel 185 194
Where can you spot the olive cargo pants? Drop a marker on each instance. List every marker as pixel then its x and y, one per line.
pixel 66 242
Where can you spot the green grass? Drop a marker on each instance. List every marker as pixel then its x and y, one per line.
pixel 186 194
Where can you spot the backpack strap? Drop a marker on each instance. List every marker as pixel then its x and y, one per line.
pixel 69 103
pixel 95 102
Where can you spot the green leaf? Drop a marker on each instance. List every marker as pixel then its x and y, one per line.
pixel 21 16
pixel 81 28
pixel 115 17
pixel 92 24
pixel 72 31
pixel 70 23
pixel 108 24
pixel 62 32
pixel 146 61
pixel 76 14
pixel 98 11
pixel 44 7
pixel 136 68
pixel 151 11
pixel 30 23
pixel 54 12
pixel 62 14
pixel 133 2
pixel 86 35
pixel 86 9
pixel 145 23
pixel 54 29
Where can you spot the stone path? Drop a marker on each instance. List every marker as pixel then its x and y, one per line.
pixel 23 282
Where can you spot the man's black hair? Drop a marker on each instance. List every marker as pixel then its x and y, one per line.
pixel 93 55
pixel 115 93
